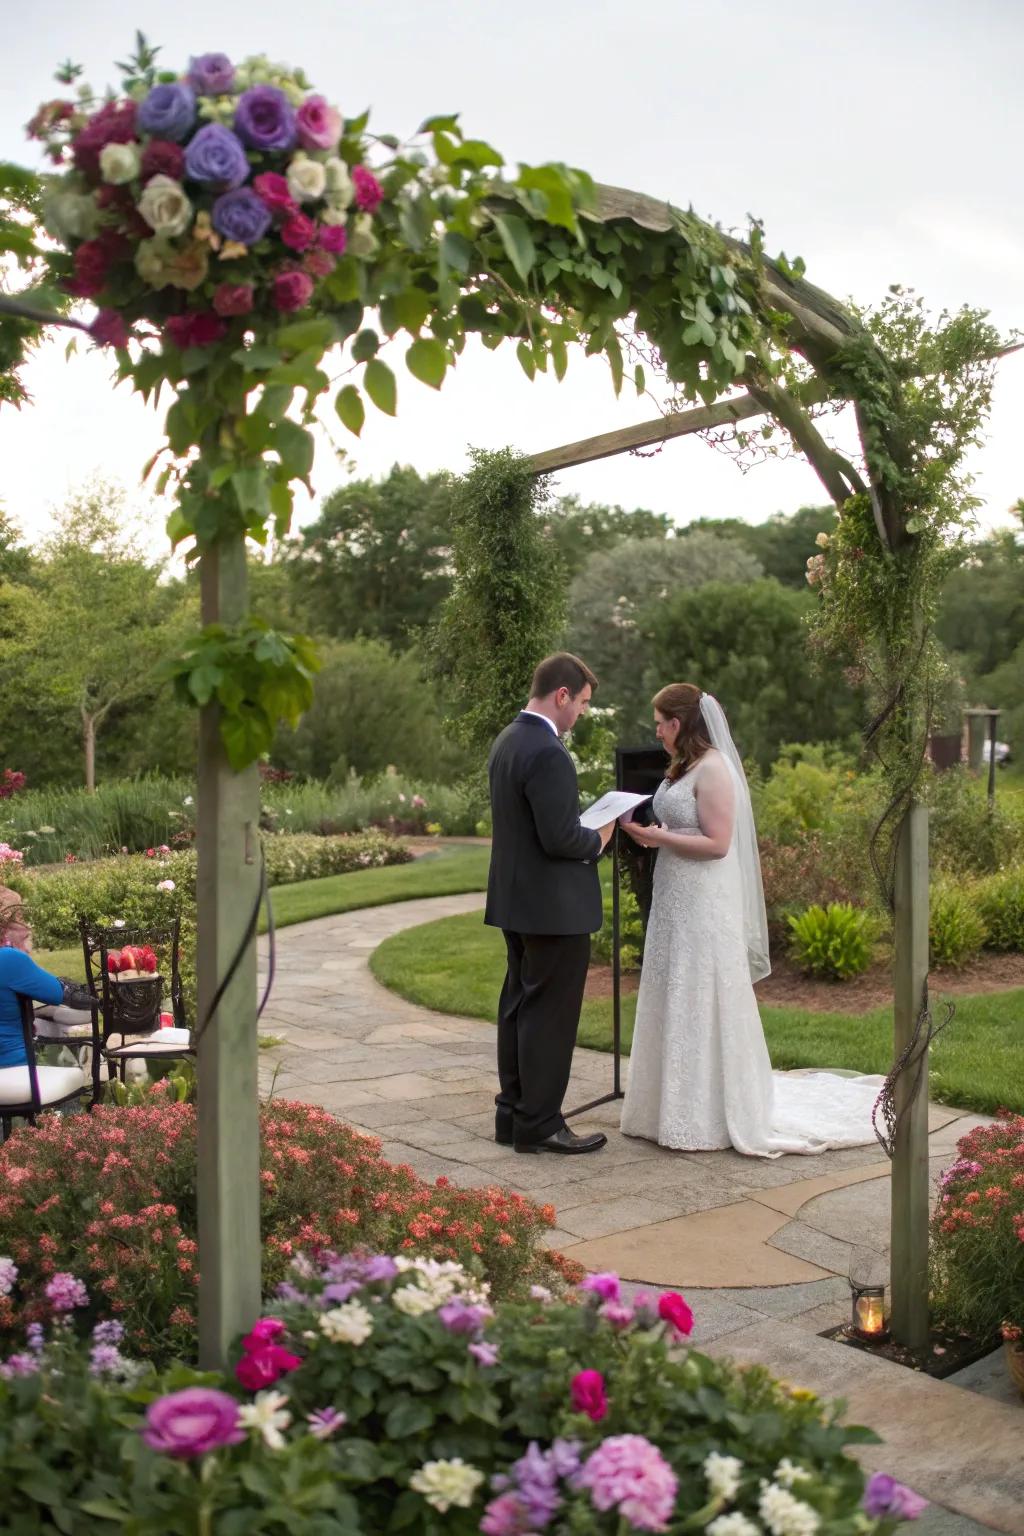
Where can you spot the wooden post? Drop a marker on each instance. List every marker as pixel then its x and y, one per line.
pixel 228 885
pixel 909 1233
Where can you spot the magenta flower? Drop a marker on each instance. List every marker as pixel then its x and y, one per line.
pixel 19 1365
pixel 64 1292
pixel 588 1394
pixel 673 1310
pixel 629 1474
pixel 192 1422
pixel 884 1496
pixel 484 1354
pixel 298 231
pixel 262 1367
pixel 318 124
pixel 267 1331
pixel 369 192
pixel 604 1285
pixel 273 190
pixel 617 1314
pixel 291 291
pixel 332 237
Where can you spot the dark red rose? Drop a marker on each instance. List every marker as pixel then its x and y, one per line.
pixel 114 123
pixel 109 329
pixel 292 290
pixel 207 329
pixel 162 158
pixel 298 232
pixel 233 299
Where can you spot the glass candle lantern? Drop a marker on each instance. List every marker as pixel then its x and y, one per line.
pixel 868 1320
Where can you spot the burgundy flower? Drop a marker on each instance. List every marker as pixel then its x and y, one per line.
pixel 262 1367
pixel 114 123
pixel 109 329
pixel 588 1394
pixel 319 263
pixel 91 264
pixel 292 290
pixel 115 245
pixel 195 328
pixel 162 158
pixel 332 237
pixel 369 192
pixel 273 189
pixel 114 197
pixel 233 299
pixel 298 232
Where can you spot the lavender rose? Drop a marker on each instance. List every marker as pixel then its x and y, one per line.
pixel 215 156
pixel 265 119
pixel 168 112
pixel 212 74
pixel 885 1497
pixel 192 1422
pixel 241 216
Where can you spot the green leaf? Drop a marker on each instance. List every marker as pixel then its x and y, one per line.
pixel 415 219
pixel 250 488
pixel 448 122
pixel 524 352
pixel 379 383
pixel 456 252
pixel 260 355
pixel 408 1417
pixel 613 352
pixel 295 448
pixel 639 379
pixel 349 406
pixel 427 360
pixel 246 736
pixel 281 502
pixel 178 426
pixel 365 346
pixel 559 357
pixel 405 311
pixel 553 186
pixel 305 333
pixel 518 242
pixel 475 153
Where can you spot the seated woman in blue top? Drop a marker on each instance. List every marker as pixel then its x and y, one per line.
pixel 20 974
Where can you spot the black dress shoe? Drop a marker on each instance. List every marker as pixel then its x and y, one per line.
pixel 503 1130
pixel 565 1141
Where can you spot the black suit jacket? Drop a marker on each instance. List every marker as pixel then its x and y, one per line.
pixel 543 876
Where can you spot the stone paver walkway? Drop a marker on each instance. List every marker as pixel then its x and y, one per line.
pixel 761 1248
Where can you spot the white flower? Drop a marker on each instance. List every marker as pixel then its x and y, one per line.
pixel 723 1474
pixel 350 1323
pixel 267 1415
pixel 165 885
pixel 785 1515
pixel 362 241
pixel 165 207
pixel 187 800
pixel 540 1293
pixel 340 190
pixel 444 1483
pixel 118 922
pixel 822 541
pixel 789 1472
pixel 414 1301
pixel 47 831
pixel 733 1525
pixel 69 215
pixel 120 163
pixel 8 1275
pixel 306 179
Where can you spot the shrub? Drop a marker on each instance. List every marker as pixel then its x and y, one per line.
pixel 977 1251
pixel 1001 905
pixel 135 814
pixel 401 1400
pixel 834 942
pixel 305 857
pixel 112 1195
pixel 965 835
pixel 631 930
pixel 798 875
pixel 956 929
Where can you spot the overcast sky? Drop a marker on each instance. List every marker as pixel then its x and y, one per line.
pixel 868 136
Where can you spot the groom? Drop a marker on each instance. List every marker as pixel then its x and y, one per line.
pixel 544 893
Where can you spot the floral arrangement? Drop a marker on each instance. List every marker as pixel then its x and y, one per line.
pixel 977 1247
pixel 113 1195
pixel 387 1392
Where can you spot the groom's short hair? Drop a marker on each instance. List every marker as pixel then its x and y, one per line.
pixel 562 670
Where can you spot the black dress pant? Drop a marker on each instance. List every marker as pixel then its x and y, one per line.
pixel 538 1016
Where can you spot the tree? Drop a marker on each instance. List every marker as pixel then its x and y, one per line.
pixel 371 708
pixel 507 607
pixel 616 586
pixel 581 529
pixel 15 559
pixel 89 628
pixel 377 561
pixel 781 544
pixel 981 618
pixel 748 646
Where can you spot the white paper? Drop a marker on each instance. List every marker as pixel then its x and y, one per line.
pixel 610 807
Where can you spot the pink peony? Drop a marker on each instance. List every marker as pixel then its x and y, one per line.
pixel 267 1331
pixel 332 237
pixel 291 291
pixel 298 232
pixel 233 298
pixel 109 329
pixel 369 192
pixel 318 124
pixel 262 1367
pixel 162 158
pixel 605 1285
pixel 629 1474
pixel 588 1394
pixel 272 189
pixel 673 1310
pixel 192 1422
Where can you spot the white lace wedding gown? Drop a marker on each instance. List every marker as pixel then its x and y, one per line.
pixel 699 1074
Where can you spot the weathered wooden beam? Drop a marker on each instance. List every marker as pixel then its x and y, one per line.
pixel 645 434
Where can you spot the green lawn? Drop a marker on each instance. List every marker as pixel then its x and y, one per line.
pixel 456 966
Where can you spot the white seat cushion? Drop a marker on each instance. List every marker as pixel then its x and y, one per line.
pixel 64 1024
pixel 160 1042
pixel 61 1015
pixel 55 1083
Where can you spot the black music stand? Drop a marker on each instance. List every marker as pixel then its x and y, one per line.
pixel 639 770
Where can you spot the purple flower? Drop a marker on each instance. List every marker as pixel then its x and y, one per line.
pixel 192 1422
pixel 505 1516
pixel 565 1457
pixel 108 1332
pixel 324 1422
pixel 629 1474
pixel 105 1359
pixel 484 1354
pixel 288 1292
pixel 885 1496
pixel 36 1337
pixel 379 1267
pixel 460 1316
pixel 168 112
pixel 64 1292
pixel 19 1365
pixel 216 157
pixel 536 1480
pixel 212 74
pixel 264 119
pixel 338 1291
pixel 241 216
pixel 604 1285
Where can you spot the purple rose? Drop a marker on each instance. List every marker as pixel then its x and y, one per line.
pixel 241 216
pixel 216 157
pixel 884 1496
pixel 192 1422
pixel 264 119
pixel 168 112
pixel 460 1316
pixel 212 74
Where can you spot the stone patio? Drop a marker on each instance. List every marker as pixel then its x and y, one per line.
pixel 761 1248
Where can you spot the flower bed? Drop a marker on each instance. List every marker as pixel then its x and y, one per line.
pixel 386 1393
pixel 111 1195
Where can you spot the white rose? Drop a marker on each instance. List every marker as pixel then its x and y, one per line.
pixel 70 216
pixel 333 213
pixel 723 1474
pixel 786 1516
pixel 340 190
pixel 350 1323
pixel 414 1301
pixel 733 1525
pixel 306 179
pixel 120 163
pixel 362 241
pixel 444 1483
pixel 165 207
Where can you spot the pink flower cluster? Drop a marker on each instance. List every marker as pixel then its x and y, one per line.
pixel 264 1360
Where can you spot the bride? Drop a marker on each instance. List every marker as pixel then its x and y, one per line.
pixel 700 1076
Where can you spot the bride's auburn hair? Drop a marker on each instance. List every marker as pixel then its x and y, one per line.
pixel 681 701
